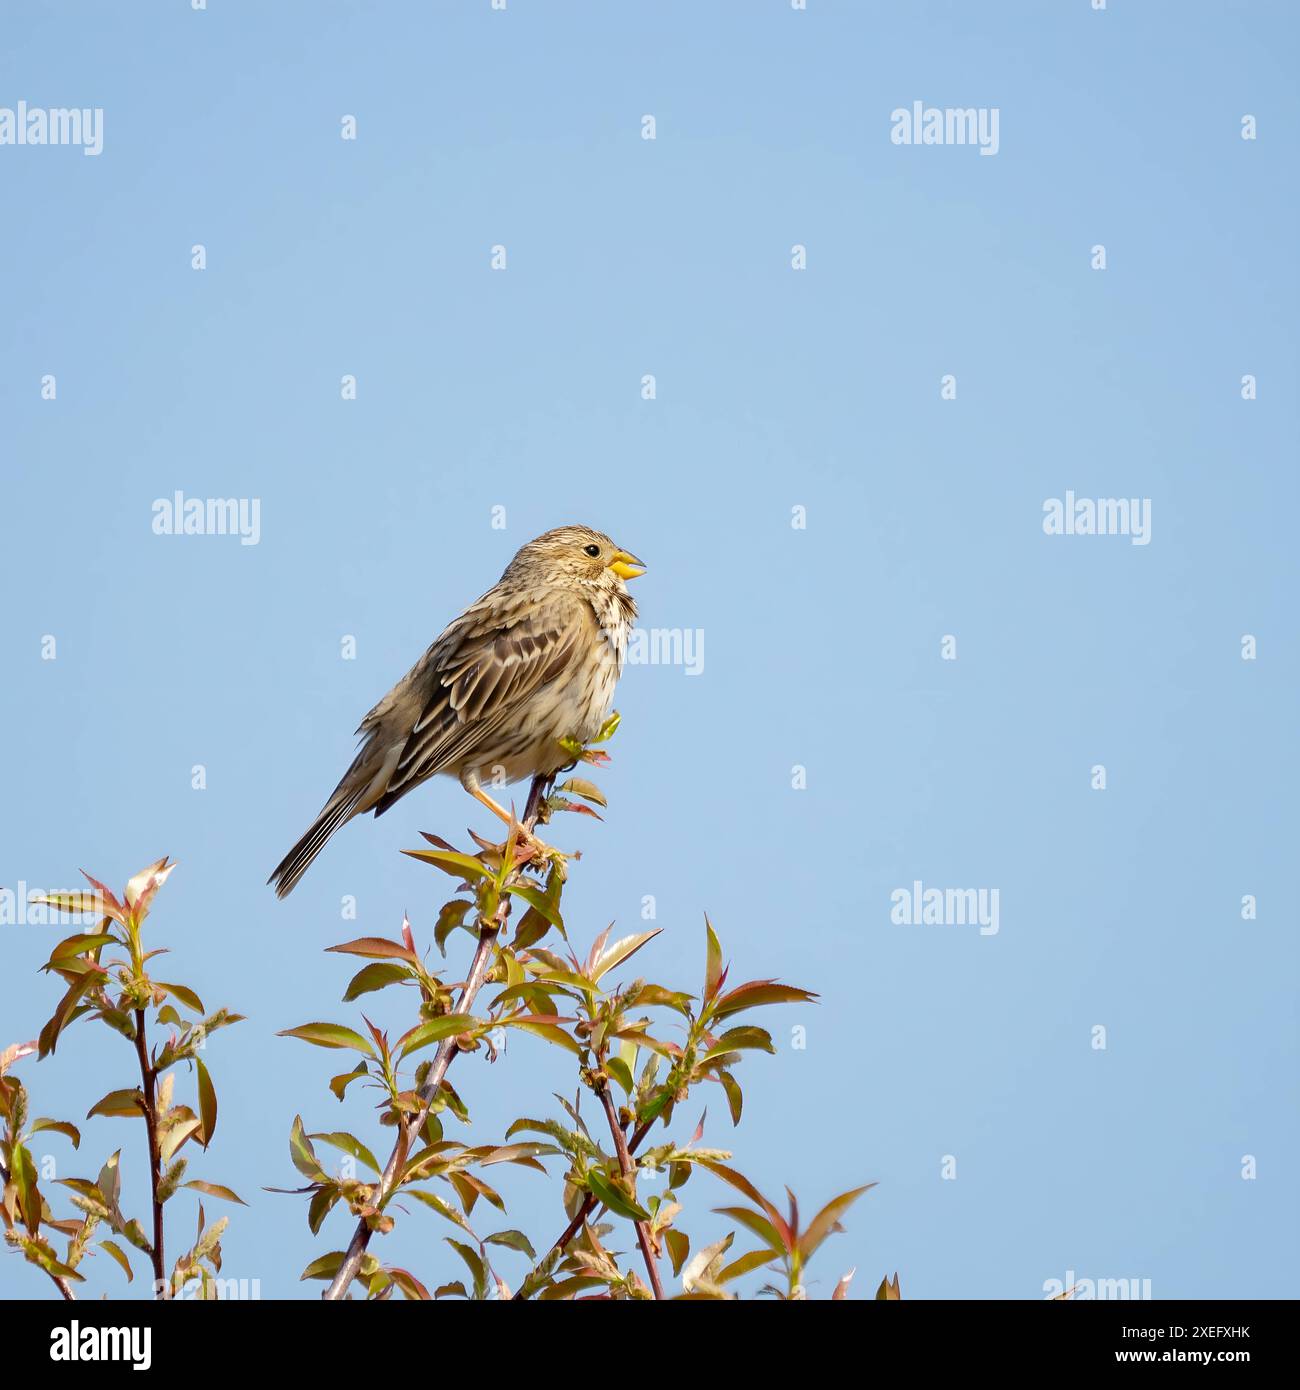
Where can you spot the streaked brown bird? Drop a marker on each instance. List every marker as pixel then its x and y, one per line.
pixel 534 661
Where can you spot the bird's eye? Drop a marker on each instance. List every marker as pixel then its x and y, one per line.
pixel 592 550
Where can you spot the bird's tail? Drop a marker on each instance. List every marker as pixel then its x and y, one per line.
pixel 341 807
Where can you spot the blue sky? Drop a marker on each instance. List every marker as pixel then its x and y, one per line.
pixel 775 389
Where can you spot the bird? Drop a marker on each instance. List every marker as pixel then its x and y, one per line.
pixel 533 661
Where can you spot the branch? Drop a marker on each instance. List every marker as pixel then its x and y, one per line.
pixel 629 1170
pixel 409 1128
pixel 589 1203
pixel 148 1077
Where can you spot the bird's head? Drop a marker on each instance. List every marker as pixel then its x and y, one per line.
pixel 577 554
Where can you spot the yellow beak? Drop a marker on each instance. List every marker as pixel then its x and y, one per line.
pixel 626 566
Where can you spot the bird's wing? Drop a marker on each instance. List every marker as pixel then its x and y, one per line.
pixel 476 679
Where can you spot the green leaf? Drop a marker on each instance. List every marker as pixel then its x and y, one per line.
pixel 538 901
pixel 613 1197
pixel 128 1102
pixel 743 1184
pixel 756 1259
pixel 215 1189
pixel 329 1035
pixel 207 1104
pixel 532 927
pixel 119 1255
pixel 436 1029
pixel 712 961
pixel 579 786
pixel 679 1247
pixel 735 1096
pixel 512 1240
pixel 620 951
pixel 320 1206
pixel 303 1155
pixel 656 1105
pixel 752 1221
pixel 376 975
pixel 451 916
pixel 134 1232
pixel 184 993
pixel 517 1153
pixel 457 865
pixel 350 1144
pixel 23 1176
pixel 60 1127
pixel 90 903
pixel 827 1220
pixel 339 1084
pixel 174 1135
pixel 88 979
pixel 87 942
pixel 39 1253
pixel 476 1266
pixel 571 1140
pixel 380 947
pixel 551 1032
pixel 564 1288
pixel 737 1039
pixel 570 978
pixel 621 1072
pixel 756 992
pixel 109 1181
pixel 657 994
pixel 410 1286
pixel 324 1268
pixel 431 1199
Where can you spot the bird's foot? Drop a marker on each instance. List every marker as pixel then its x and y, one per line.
pixel 531 850
pixel 528 848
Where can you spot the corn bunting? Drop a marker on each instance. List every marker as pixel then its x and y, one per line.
pixel 534 661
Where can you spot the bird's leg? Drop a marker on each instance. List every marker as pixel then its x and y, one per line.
pixel 525 839
pixel 482 797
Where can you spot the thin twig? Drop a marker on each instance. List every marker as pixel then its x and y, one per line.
pixel 629 1169
pixel 65 1288
pixel 148 1078
pixel 447 1050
